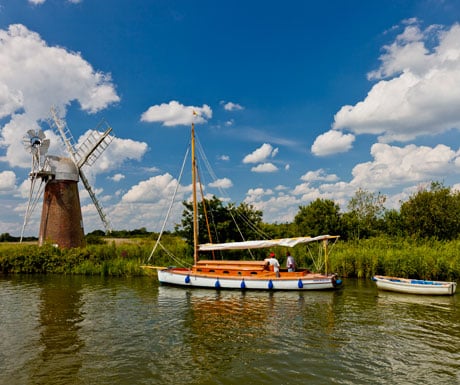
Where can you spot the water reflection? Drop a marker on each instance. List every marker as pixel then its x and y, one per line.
pixel 59 316
pixel 86 330
pixel 231 331
pixel 422 329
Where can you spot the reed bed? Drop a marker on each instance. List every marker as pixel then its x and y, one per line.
pixel 108 259
pixel 402 257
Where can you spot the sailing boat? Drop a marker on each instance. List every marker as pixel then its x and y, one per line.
pixel 239 274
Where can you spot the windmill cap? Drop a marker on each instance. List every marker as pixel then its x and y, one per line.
pixel 63 168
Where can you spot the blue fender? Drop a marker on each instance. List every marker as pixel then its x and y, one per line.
pixel 270 284
pixel 217 284
pixel 243 284
pixel 187 279
pixel 300 284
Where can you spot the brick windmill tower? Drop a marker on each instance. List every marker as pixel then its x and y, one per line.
pixel 61 220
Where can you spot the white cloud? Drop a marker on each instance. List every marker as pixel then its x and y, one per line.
pixel 398 166
pixel 39 2
pixel 7 182
pixel 221 183
pixel 415 94
pixel 34 77
pixel 117 177
pixel 302 189
pixel 158 188
pixel 176 114
pixel 319 175
pixel 257 193
pixel 332 142
pixel 264 167
pixel 261 154
pixel 230 106
pixel 146 204
pixel 225 158
pixel 276 208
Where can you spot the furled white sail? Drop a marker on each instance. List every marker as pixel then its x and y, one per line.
pixel 286 242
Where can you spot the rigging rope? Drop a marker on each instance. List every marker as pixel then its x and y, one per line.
pixel 34 197
pixel 170 206
pixel 223 193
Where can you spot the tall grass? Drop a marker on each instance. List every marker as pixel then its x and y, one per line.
pixel 401 257
pixel 110 259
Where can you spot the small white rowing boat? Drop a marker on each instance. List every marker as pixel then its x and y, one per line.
pixel 415 286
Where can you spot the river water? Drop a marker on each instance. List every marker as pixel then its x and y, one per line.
pixel 87 330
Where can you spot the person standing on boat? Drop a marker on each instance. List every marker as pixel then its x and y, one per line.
pixel 274 262
pixel 290 263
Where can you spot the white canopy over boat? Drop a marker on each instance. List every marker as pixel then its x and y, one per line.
pixel 286 242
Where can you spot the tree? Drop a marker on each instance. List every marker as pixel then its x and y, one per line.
pixel 247 221
pixel 393 223
pixel 6 237
pixel 280 230
pixel 321 216
pixel 366 209
pixel 432 213
pixel 227 223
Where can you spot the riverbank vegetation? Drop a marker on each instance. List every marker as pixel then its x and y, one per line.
pixel 427 259
pixel 420 240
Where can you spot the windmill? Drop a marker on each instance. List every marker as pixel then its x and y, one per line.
pixel 61 220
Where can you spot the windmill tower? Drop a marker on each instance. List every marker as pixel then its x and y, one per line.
pixel 61 220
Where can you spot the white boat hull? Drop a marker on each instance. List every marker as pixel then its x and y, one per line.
pixel 171 277
pixel 415 286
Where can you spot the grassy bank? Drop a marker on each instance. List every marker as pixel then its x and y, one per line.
pixel 113 258
pixel 398 257
pixel 361 259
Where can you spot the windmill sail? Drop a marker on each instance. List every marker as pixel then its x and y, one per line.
pixel 105 220
pixel 89 151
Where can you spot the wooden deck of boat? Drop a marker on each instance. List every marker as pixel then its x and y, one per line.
pixel 229 268
pixel 253 269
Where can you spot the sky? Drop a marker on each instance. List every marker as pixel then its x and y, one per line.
pixel 291 101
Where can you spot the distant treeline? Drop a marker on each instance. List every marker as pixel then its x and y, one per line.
pixel 6 237
pixel 430 213
pixel 91 237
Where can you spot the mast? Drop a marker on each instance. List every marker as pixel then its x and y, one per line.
pixel 326 261
pixel 195 208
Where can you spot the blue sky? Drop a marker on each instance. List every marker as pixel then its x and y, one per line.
pixel 296 100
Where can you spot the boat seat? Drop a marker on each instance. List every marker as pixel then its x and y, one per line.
pixel 233 265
